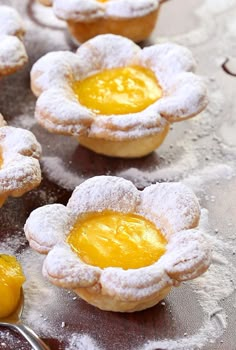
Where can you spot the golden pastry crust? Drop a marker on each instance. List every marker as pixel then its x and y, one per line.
pixel 172 207
pixel 46 2
pixel 87 19
pixel 19 169
pixel 12 51
pixel 59 110
pixel 136 29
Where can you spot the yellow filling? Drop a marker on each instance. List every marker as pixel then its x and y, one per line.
pixel 11 280
pixel 112 239
pixel 119 90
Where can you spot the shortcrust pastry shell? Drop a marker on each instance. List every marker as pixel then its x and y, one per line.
pixel 172 207
pixel 20 171
pixel 59 110
pixel 89 18
pixel 13 55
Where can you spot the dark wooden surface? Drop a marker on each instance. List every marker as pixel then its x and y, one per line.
pixel 190 147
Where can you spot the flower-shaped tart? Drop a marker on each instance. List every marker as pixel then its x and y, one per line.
pixel 118 99
pixel 12 51
pixel 88 18
pixel 19 166
pixel 118 248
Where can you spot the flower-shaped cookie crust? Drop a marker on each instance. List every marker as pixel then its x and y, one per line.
pixel 88 18
pixel 59 110
pixel 19 166
pixel 172 207
pixel 12 51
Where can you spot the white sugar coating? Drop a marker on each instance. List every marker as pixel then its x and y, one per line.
pixel 44 220
pixel 45 16
pixel 20 171
pixel 10 21
pixel 60 111
pixel 104 193
pixel 129 9
pixel 80 10
pixel 12 52
pixel 63 268
pixel 17 140
pixel 172 201
pixel 87 10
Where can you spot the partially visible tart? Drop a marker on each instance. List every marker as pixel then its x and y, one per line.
pixel 118 248
pixel 12 51
pixel 117 99
pixel 11 281
pixel 89 18
pixel 19 162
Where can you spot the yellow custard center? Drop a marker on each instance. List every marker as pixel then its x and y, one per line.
pixel 119 90
pixel 11 280
pixel 112 239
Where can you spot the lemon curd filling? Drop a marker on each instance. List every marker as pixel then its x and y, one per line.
pixel 119 90
pixel 112 239
pixel 11 280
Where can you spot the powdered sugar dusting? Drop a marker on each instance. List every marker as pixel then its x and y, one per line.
pixel 88 10
pixel 10 21
pixel 82 342
pixel 12 51
pixel 45 16
pixel 20 171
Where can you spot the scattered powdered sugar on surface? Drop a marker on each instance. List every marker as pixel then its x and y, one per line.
pixel 82 342
pixel 24 121
pixel 56 171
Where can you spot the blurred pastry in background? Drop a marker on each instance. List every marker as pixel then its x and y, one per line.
pixel 13 55
pixel 19 161
pixel 88 18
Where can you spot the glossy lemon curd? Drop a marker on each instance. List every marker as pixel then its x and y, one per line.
pixel 119 90
pixel 11 280
pixel 112 239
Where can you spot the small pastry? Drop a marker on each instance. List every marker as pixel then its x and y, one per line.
pixel 11 281
pixel 88 18
pixel 118 99
pixel 118 248
pixel 12 51
pixel 19 166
